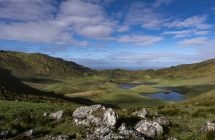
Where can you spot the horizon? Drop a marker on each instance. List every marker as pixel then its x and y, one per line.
pixel 113 34
pixel 111 68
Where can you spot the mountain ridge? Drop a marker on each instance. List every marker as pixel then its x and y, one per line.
pixel 37 64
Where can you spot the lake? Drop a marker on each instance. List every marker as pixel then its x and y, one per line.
pixel 132 85
pixel 166 96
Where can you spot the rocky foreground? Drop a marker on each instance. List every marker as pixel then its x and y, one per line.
pixel 97 122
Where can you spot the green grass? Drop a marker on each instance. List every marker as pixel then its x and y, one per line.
pixel 21 116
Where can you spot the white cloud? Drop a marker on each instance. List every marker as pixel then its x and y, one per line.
pixel 140 39
pixel 38 24
pixel 194 41
pixel 202 32
pixel 123 28
pixel 85 18
pixel 45 32
pixel 178 34
pixel 159 3
pixel 95 31
pixel 26 9
pixel 185 33
pixel 44 22
pixel 198 22
pixel 144 15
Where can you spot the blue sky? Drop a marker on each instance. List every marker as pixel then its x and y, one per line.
pixel 131 34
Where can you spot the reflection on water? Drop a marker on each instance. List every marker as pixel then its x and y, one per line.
pixel 166 96
pixel 132 85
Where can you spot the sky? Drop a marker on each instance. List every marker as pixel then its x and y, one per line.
pixel 107 34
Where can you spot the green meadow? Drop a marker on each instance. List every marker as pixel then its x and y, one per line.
pixel 25 97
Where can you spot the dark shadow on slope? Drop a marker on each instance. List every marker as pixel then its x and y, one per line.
pixel 41 80
pixel 11 88
pixel 195 89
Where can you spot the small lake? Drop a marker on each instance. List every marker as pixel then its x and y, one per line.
pixel 166 96
pixel 132 85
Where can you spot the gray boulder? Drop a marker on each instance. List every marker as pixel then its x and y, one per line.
pixel 95 115
pixel 122 127
pixel 45 114
pixel 208 127
pixel 163 121
pixel 84 111
pixel 4 134
pixel 58 137
pixel 57 115
pixel 129 133
pixel 29 133
pixel 171 138
pixel 94 121
pixel 101 133
pixel 141 113
pixel 149 128
pixel 110 117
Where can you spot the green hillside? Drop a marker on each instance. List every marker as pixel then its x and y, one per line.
pixel 36 64
pixel 205 68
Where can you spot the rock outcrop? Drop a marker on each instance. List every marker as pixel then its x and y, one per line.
pixel 95 115
pixel 110 117
pixel 58 137
pixel 57 115
pixel 141 113
pixel 163 121
pixel 208 127
pixel 102 123
pixel 149 128
pixel 97 122
pixel 29 133
pixel 3 134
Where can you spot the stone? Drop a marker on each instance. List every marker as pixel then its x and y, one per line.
pixel 149 128
pixel 95 121
pixel 84 111
pixel 110 117
pixel 122 127
pixel 58 137
pixel 84 122
pixel 129 133
pixel 4 134
pixel 171 138
pixel 101 133
pixel 45 114
pixel 141 113
pixel 57 115
pixel 95 115
pixel 29 133
pixel 208 127
pixel 163 121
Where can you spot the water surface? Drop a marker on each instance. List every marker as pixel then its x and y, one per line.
pixel 132 85
pixel 166 96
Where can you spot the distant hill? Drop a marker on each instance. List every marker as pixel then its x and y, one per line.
pixel 36 64
pixel 205 68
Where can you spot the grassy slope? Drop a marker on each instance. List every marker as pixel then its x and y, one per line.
pixel 35 64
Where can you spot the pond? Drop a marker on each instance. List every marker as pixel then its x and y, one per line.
pixel 132 85
pixel 166 96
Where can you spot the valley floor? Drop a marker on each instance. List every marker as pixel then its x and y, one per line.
pixel 187 116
